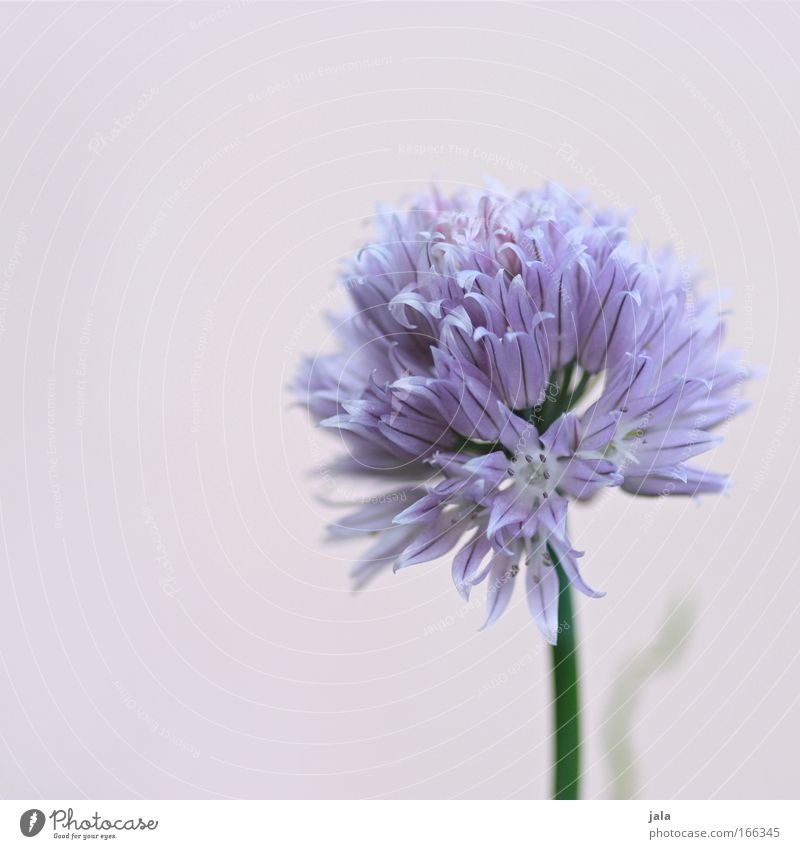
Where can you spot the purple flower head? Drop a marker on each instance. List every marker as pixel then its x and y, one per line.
pixel 502 356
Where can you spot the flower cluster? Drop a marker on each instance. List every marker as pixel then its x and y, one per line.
pixel 503 355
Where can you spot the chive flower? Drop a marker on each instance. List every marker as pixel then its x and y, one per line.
pixel 503 356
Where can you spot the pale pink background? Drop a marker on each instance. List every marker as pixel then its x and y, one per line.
pixel 171 622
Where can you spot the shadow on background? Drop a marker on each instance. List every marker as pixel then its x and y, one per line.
pixel 664 652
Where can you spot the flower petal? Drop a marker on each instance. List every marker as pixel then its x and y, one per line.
pixel 502 574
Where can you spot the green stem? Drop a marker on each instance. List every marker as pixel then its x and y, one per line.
pixel 565 697
pixel 566 381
